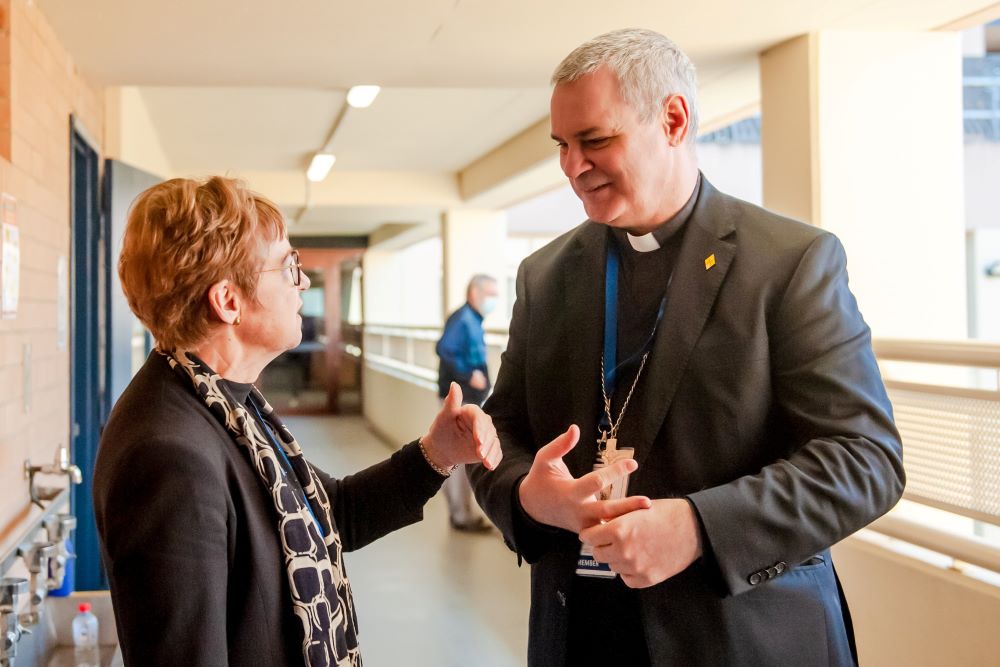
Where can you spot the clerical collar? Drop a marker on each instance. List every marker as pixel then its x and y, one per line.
pixel 659 236
pixel 644 243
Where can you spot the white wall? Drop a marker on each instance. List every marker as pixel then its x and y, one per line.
pixel 473 242
pixel 403 286
pixel 984 289
pixel 908 612
pixel 862 136
pixel 890 178
pixel 132 135
pixel 734 169
pixel 982 184
pixel 396 409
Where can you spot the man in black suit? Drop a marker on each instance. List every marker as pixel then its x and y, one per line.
pixel 714 350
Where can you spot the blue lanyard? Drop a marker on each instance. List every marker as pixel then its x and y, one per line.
pixel 611 367
pixel 284 456
pixel 611 318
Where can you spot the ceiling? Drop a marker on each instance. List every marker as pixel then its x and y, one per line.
pixel 273 129
pixel 255 86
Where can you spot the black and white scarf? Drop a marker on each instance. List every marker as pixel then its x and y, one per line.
pixel 321 594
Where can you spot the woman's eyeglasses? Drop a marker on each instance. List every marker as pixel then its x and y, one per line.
pixel 295 267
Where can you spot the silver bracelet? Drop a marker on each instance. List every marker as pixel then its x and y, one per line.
pixel 438 469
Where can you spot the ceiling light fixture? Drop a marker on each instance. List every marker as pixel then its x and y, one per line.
pixel 320 166
pixel 361 97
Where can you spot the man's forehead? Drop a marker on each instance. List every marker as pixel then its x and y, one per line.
pixel 583 121
pixel 584 106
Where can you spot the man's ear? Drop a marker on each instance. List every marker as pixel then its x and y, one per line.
pixel 676 119
pixel 225 301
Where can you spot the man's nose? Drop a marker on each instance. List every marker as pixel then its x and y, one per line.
pixel 304 283
pixel 574 162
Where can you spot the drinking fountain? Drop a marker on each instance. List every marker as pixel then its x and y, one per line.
pixel 60 466
pixel 58 528
pixel 11 589
pixel 36 557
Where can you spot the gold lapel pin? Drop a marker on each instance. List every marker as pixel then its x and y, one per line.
pixel 709 262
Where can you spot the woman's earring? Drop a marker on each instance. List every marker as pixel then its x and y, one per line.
pixel 237 321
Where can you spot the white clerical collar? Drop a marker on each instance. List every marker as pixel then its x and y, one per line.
pixel 644 243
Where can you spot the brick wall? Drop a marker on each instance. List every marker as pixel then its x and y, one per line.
pixel 42 88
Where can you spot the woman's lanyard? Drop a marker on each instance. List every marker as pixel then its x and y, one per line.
pixel 285 469
pixel 610 369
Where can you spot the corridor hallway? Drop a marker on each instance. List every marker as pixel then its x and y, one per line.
pixel 425 595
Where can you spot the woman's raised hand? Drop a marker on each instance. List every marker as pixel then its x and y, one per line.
pixel 462 434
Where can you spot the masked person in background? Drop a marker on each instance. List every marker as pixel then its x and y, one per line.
pixel 462 350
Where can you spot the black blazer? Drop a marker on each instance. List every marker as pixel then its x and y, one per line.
pixel 188 531
pixel 762 404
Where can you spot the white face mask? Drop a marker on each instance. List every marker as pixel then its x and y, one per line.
pixel 488 305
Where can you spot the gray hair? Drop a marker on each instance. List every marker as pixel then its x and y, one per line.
pixel 479 280
pixel 649 68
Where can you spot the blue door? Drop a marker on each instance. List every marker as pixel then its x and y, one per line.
pixel 86 354
pixel 108 344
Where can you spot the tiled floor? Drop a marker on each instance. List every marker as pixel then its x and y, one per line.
pixel 426 595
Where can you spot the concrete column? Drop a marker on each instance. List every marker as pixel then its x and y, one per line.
pixel 473 242
pixel 862 135
pixel 130 133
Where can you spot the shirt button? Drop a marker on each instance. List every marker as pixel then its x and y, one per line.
pixel 755 578
pixel 780 567
pixel 772 572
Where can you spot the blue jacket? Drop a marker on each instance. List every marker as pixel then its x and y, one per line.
pixel 462 350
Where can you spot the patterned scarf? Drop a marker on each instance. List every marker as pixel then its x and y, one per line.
pixel 321 594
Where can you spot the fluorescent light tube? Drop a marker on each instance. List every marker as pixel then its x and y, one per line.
pixel 320 166
pixel 361 97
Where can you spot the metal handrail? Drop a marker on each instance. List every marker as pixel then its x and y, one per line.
pixel 386 329
pixel 380 327
pixel 968 353
pixel 968 549
pixel 951 353
pixel 965 353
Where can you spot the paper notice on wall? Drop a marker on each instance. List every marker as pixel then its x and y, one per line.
pixel 10 257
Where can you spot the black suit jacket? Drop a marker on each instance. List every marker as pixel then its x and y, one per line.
pixel 762 404
pixel 189 536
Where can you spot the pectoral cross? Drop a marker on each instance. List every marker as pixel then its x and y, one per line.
pixel 606 448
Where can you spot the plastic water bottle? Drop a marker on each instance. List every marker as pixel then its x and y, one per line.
pixel 85 650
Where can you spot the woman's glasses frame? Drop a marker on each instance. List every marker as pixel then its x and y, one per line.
pixel 295 267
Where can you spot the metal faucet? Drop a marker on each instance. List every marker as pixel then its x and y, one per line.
pixel 10 624
pixel 36 557
pixel 61 466
pixel 58 528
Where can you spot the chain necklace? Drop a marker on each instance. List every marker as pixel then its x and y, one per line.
pixel 612 434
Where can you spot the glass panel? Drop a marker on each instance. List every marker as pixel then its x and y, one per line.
pixel 977 97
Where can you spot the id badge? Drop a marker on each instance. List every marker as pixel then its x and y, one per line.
pixel 586 564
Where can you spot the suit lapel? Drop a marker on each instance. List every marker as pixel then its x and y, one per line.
pixel 691 294
pixel 582 338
